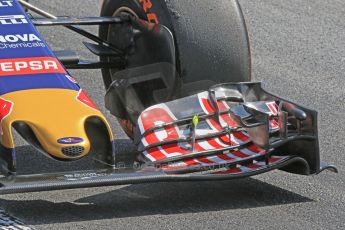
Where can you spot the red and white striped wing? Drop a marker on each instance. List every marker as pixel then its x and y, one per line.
pixel 162 114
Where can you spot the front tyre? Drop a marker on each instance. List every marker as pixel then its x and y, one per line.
pixel 211 39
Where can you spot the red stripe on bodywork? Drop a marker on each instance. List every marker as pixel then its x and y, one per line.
pixel 205 160
pixel 230 171
pixel 160 116
pixel 5 108
pixel 85 99
pixel 156 154
pixel 174 148
pixel 273 107
pixel 239 154
pixel 255 149
pixel 225 157
pixel 226 117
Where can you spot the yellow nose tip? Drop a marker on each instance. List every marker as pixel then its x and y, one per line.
pixel 68 150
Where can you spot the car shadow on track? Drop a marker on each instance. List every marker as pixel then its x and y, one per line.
pixel 154 199
pixel 148 199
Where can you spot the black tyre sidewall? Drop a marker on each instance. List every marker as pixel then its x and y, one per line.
pixel 209 46
pixel 108 9
pixel 211 38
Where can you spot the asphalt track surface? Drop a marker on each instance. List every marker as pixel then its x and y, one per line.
pixel 298 52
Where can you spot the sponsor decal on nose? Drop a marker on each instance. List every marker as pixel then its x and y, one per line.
pixel 35 65
pixel 19 38
pixel 15 41
pixel 13 20
pixel 70 140
pixel 6 3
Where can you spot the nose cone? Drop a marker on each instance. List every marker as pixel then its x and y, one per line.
pixel 57 119
pixel 62 143
pixel 70 148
